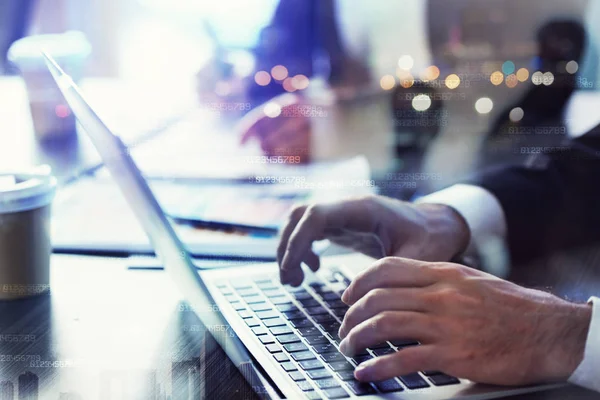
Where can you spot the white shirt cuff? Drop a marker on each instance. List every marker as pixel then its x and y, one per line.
pixel 586 374
pixel 484 216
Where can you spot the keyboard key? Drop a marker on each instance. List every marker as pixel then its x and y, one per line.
pixel 314 340
pixel 280 330
pixel 259 330
pixel 382 345
pixel 443 379
pixel 240 284
pixel 266 339
pixel 288 308
pixel 316 286
pixel 262 279
pixel 341 366
pixel 330 296
pixel 269 323
pixel 311 364
pixel 273 348
pixel 267 314
pixel 294 289
pixel 316 310
pixel 335 393
pixel 281 357
pixel 333 357
pixel 339 312
pixel 312 395
pixel 291 338
pixel 361 358
pixel 297 376
pixel 260 307
pixel 305 386
pixel 247 292
pixel 238 305
pixel 226 291
pixel 360 388
pixel 252 322
pixel 293 347
pixel 318 373
pixel 230 297
pixel 309 302
pixel 323 318
pixel 324 348
pixel 303 355
pixel 245 314
pixel 330 327
pixel 309 331
pixel 301 295
pixel 254 299
pixel 346 375
pixel 413 381
pixel 301 323
pixel 429 373
pixel 267 286
pixel 294 313
pixel 280 300
pixel 404 343
pixel 327 383
pixel 335 337
pixel 288 366
pixel 336 304
pixel 388 386
pixel 383 352
pixel 274 293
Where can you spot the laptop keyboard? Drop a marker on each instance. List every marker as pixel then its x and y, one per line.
pixel 299 327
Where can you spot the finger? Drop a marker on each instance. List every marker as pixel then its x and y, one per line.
pixel 312 260
pixel 388 325
pixel 405 361
pixel 288 136
pixel 318 219
pixel 295 216
pixel 249 125
pixel 390 272
pixel 378 301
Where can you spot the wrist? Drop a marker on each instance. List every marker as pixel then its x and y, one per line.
pixel 565 351
pixel 447 227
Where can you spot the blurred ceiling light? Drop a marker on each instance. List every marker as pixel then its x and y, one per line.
pixel 279 72
pixel 537 78
pixel 452 81
pixel 262 78
pixel 516 114
pixel 548 79
pixel 407 81
pixel 387 82
pixel 272 110
pixel 421 102
pixel 300 82
pixel 485 105
pixel 497 78
pixel 288 85
pixel 406 62
pixel 572 67
pixel 512 81
pixel 523 75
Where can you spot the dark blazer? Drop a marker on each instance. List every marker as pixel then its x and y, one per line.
pixel 553 202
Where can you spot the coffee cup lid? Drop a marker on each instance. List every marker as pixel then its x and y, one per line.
pixel 22 191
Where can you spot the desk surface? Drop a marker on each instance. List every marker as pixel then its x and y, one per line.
pixel 108 332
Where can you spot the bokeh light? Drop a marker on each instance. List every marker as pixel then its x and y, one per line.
pixel 387 82
pixel 288 85
pixel 485 105
pixel 279 72
pixel 508 68
pixel 523 75
pixel 572 67
pixel 272 110
pixel 516 114
pixel 262 78
pixel 548 79
pixel 300 82
pixel 537 78
pixel 430 73
pixel 512 81
pixel 421 102
pixel 497 78
pixel 406 62
pixel 452 81
pixel 62 111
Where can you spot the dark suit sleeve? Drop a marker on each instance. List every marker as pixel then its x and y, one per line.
pixel 553 202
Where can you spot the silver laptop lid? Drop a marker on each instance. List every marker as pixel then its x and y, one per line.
pixel 165 242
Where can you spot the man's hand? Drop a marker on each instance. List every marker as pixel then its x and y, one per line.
pixel 282 127
pixel 470 324
pixel 376 226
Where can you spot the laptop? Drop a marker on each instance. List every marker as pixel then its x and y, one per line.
pixel 285 342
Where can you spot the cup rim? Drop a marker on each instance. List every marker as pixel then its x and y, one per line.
pixel 36 190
